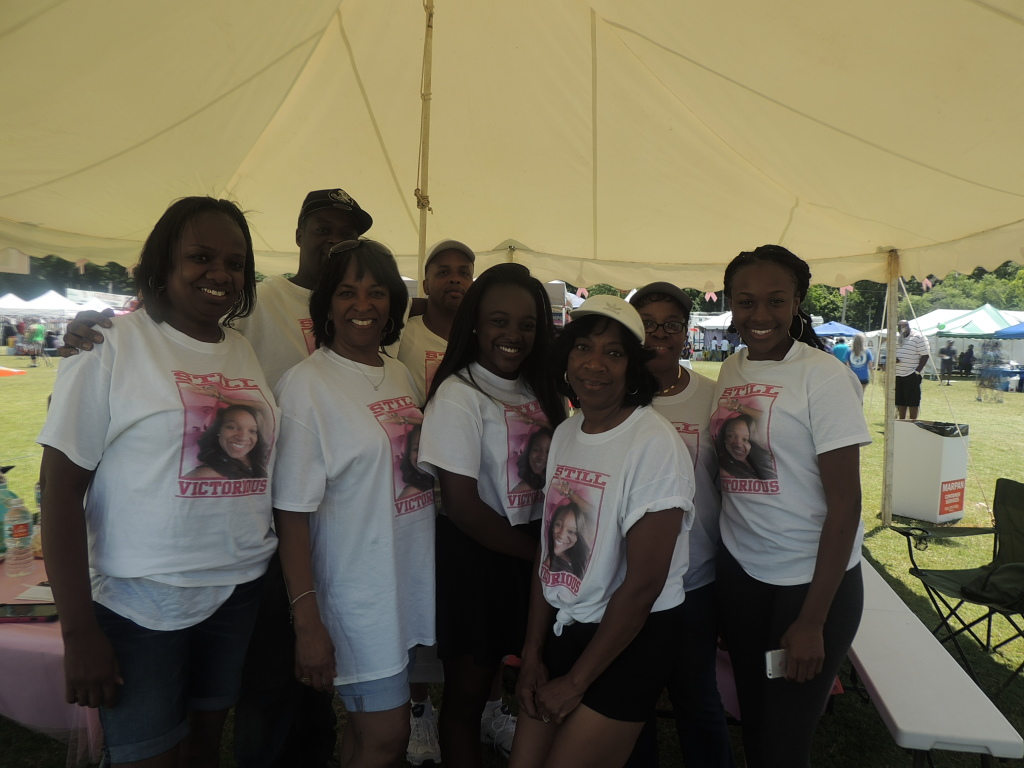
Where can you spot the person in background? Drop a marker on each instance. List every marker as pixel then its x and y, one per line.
pixel 841 349
pixel 448 274
pixel 789 567
pixel 967 361
pixel 912 354
pixel 947 358
pixel 686 399
pixel 599 648
pixel 157 577
pixel 861 360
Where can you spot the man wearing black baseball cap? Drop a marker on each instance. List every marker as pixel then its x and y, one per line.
pixel 279 329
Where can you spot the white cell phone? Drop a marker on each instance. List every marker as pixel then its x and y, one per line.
pixel 775 664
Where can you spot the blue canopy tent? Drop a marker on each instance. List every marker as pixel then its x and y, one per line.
pixel 1013 332
pixel 835 329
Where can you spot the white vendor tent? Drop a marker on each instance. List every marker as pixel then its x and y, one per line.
pixel 51 301
pixel 610 141
pixel 11 303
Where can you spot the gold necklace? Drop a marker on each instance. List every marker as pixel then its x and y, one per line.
pixel 679 375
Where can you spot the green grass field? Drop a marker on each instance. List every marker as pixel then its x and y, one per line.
pixel 852 735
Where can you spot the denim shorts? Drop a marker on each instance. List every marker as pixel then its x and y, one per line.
pixel 378 695
pixel 169 673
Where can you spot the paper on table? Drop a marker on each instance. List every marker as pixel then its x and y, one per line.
pixel 37 593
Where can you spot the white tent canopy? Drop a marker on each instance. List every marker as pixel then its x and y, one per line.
pixel 51 301
pixel 10 302
pixel 617 142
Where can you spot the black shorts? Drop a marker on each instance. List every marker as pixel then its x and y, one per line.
pixel 908 390
pixel 630 687
pixel 482 597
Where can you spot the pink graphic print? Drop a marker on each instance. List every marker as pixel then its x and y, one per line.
pixel 572 516
pixel 402 420
pixel 529 438
pixel 431 361
pixel 690 435
pixel 227 438
pixel 306 324
pixel 740 428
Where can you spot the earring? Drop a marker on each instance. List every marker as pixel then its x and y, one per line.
pixel 329 331
pixel 802 327
pixel 731 328
pixel 632 391
pixel 389 326
pixel 156 288
pixel 565 377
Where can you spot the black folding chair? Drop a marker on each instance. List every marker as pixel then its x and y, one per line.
pixel 997 587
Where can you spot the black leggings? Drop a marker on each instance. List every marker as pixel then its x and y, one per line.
pixel 779 716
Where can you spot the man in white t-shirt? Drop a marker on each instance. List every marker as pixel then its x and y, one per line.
pixel 912 354
pixel 448 274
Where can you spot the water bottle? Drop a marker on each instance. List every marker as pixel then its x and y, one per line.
pixel 6 495
pixel 18 538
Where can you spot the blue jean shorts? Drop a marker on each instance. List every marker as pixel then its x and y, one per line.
pixel 378 695
pixel 169 673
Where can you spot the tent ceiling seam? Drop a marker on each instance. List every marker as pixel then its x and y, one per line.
pixel 373 121
pixel 192 115
pixel 811 118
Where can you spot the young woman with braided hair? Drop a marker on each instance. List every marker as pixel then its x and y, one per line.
pixel 789 566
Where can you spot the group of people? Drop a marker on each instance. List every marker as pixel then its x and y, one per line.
pixel 264 504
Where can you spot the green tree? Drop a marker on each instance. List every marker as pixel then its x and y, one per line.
pixel 603 289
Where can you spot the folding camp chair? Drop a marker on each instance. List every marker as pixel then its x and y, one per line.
pixel 997 587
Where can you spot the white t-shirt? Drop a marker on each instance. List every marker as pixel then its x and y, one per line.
pixel 422 351
pixel 347 456
pixel 488 433
pixel 279 328
pixel 609 481
pixel 909 351
pixel 690 413
pixel 773 503
pixel 134 410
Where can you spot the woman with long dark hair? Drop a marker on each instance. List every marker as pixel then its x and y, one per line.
pixel 490 390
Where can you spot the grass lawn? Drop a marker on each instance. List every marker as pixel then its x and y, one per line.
pixel 851 736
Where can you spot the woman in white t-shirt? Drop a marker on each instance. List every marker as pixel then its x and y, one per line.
pixel 357 545
pixel 156 572
pixel 789 568
pixel 490 396
pixel 685 398
pixel 603 636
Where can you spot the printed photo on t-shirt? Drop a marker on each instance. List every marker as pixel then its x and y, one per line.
pixel 306 326
pixel 572 513
pixel 740 429
pixel 402 420
pixel 529 438
pixel 227 437
pixel 432 359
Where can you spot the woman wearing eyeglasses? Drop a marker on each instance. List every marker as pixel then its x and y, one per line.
pixel 357 548
pixel 686 399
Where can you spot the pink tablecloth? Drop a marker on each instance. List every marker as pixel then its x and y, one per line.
pixel 32 671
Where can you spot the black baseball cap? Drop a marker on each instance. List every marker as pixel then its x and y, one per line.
pixel 666 288
pixel 335 198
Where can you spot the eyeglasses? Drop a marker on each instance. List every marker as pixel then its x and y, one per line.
pixel 671 327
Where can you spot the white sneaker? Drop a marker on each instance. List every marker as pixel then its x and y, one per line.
pixel 498 729
pixel 423 743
